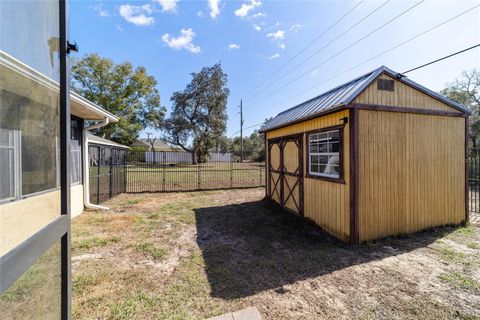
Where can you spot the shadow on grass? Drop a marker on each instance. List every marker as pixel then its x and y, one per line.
pixel 255 246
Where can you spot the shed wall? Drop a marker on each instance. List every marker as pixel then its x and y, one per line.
pixel 411 172
pixel 327 203
pixel 402 96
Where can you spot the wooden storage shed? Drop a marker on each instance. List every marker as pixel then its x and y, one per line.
pixel 380 155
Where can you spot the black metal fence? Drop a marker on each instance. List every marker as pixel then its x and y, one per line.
pixel 474 179
pixel 164 171
pixel 107 172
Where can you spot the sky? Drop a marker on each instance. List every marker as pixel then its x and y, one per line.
pixel 278 54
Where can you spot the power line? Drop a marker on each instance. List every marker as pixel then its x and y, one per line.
pixel 257 87
pixel 324 47
pixel 249 127
pixel 338 53
pixel 443 58
pixel 385 52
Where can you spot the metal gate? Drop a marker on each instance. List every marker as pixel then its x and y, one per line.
pixel 285 180
pixel 107 171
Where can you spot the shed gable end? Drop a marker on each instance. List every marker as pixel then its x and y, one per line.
pixel 401 95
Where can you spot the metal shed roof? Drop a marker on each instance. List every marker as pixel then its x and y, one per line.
pixel 344 94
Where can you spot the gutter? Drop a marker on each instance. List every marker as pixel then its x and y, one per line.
pixel 86 172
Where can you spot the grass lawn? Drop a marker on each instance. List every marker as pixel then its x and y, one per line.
pixel 200 254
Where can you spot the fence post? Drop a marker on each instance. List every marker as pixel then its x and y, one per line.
pixel 164 162
pixel 125 155
pixel 198 175
pixel 260 173
pixel 231 172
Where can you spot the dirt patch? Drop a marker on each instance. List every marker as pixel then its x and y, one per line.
pixel 200 254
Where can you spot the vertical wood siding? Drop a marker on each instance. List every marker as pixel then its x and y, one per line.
pixel 402 96
pixel 412 173
pixel 327 203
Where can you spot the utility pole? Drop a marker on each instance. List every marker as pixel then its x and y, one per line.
pixel 241 131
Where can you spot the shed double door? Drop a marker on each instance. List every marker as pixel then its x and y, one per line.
pixel 285 179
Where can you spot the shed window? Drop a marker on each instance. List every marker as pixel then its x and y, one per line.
pixel 324 154
pixel 385 84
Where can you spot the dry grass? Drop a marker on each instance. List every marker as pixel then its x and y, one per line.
pixel 200 254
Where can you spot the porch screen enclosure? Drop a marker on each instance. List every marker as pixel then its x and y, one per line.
pixel 107 172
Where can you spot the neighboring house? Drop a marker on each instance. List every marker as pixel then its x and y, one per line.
pixel 158 145
pixel 380 155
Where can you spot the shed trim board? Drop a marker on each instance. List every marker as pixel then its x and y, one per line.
pixel 467 182
pixel 354 181
pixel 376 107
pixel 407 214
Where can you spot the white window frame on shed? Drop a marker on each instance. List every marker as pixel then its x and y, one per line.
pixel 314 157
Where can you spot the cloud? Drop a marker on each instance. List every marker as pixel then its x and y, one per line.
pixel 282 46
pixel 233 46
pixel 275 56
pixel 214 6
pixel 100 10
pixel 168 5
pixel 246 8
pixel 183 41
pixel 119 28
pixel 295 27
pixel 200 14
pixel 138 15
pixel 279 35
pixel 258 15
pixel 257 27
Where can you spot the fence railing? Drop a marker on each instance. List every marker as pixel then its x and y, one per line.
pixel 106 172
pixel 163 171
pixel 474 179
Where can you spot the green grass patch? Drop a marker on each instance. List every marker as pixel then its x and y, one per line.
pixel 458 280
pixel 133 201
pixel 473 245
pixel 81 281
pixel 88 243
pixel 132 305
pixel 149 248
pixel 468 230
pixel 450 255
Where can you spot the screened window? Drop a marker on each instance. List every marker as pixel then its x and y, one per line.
pixel 76 151
pixel 7 164
pixel 324 154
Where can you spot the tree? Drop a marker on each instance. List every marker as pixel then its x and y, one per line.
pixel 198 119
pixel 151 141
pixel 128 93
pixel 466 91
pixel 253 147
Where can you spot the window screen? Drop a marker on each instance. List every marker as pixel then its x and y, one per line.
pixel 76 151
pixel 324 154
pixel 7 165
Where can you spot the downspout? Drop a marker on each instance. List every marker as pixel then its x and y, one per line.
pixel 86 172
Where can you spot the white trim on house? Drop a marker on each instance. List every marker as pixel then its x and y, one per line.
pixel 28 72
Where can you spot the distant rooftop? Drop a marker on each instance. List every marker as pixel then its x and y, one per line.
pixel 103 141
